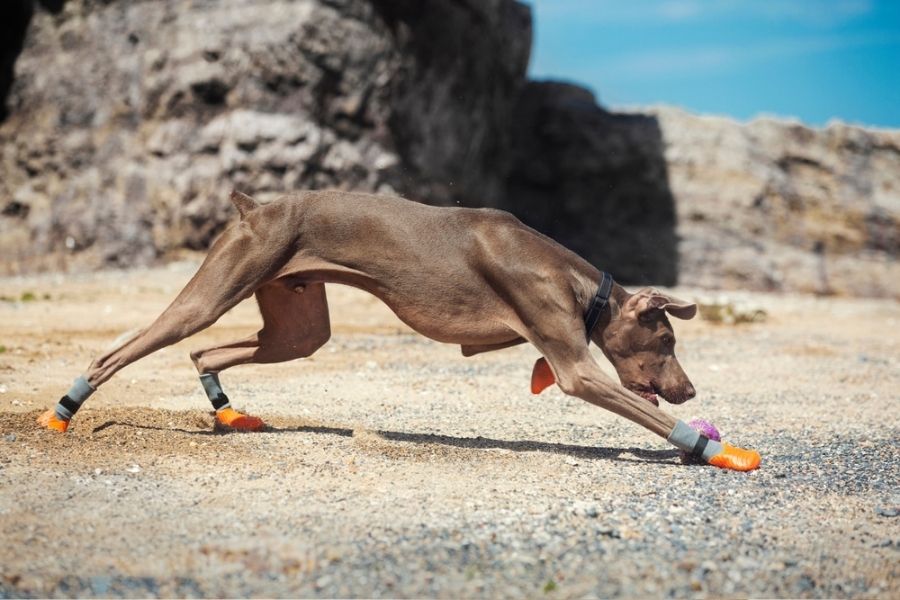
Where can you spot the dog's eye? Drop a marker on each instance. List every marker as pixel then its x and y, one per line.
pixel 648 316
pixel 668 340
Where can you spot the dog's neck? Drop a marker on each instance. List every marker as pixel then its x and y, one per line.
pixel 587 278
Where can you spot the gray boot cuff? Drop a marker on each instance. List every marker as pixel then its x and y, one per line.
pixel 685 438
pixel 213 389
pixel 70 403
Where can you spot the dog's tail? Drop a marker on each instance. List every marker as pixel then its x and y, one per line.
pixel 244 203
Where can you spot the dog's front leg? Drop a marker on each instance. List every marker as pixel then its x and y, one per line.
pixel 579 375
pixel 583 378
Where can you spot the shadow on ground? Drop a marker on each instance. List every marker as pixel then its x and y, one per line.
pixel 471 443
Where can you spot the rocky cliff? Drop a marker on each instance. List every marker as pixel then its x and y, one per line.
pixel 775 205
pixel 595 180
pixel 129 122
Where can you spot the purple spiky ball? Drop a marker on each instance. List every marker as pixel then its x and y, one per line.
pixel 703 427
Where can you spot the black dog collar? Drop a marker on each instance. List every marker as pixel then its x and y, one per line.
pixel 599 302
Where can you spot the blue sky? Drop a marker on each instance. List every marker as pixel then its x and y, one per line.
pixel 811 59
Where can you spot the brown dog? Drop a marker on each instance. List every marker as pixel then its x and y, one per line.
pixel 474 277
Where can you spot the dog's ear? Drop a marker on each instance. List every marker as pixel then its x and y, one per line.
pixel 646 302
pixel 244 203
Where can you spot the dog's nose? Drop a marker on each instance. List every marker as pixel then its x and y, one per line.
pixel 689 391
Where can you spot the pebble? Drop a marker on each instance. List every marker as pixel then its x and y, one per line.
pixel 586 509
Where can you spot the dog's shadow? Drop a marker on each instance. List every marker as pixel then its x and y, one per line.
pixel 482 443
pixel 639 455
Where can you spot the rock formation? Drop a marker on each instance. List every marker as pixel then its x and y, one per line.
pixel 594 180
pixel 663 195
pixel 129 121
pixel 775 205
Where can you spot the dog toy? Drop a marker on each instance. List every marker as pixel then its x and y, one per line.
pixel 702 427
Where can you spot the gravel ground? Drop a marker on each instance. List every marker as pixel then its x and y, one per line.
pixel 396 467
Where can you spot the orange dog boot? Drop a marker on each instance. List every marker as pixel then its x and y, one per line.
pixel 228 417
pixel 49 420
pixel 735 458
pixel 541 376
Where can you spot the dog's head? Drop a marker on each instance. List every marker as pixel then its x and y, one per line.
pixel 640 343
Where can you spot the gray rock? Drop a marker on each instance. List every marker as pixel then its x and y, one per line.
pixel 775 205
pixel 130 124
pixel 595 181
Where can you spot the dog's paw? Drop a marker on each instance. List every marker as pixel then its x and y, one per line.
pixel 231 419
pixel 49 420
pixel 735 458
pixel 541 376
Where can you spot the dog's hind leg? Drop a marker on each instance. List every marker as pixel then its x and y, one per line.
pixel 233 270
pixel 295 324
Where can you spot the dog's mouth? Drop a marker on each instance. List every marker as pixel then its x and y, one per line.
pixel 648 393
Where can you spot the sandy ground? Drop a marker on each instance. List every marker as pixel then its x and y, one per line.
pixel 395 467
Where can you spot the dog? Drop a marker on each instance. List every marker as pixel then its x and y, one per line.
pixel 478 278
